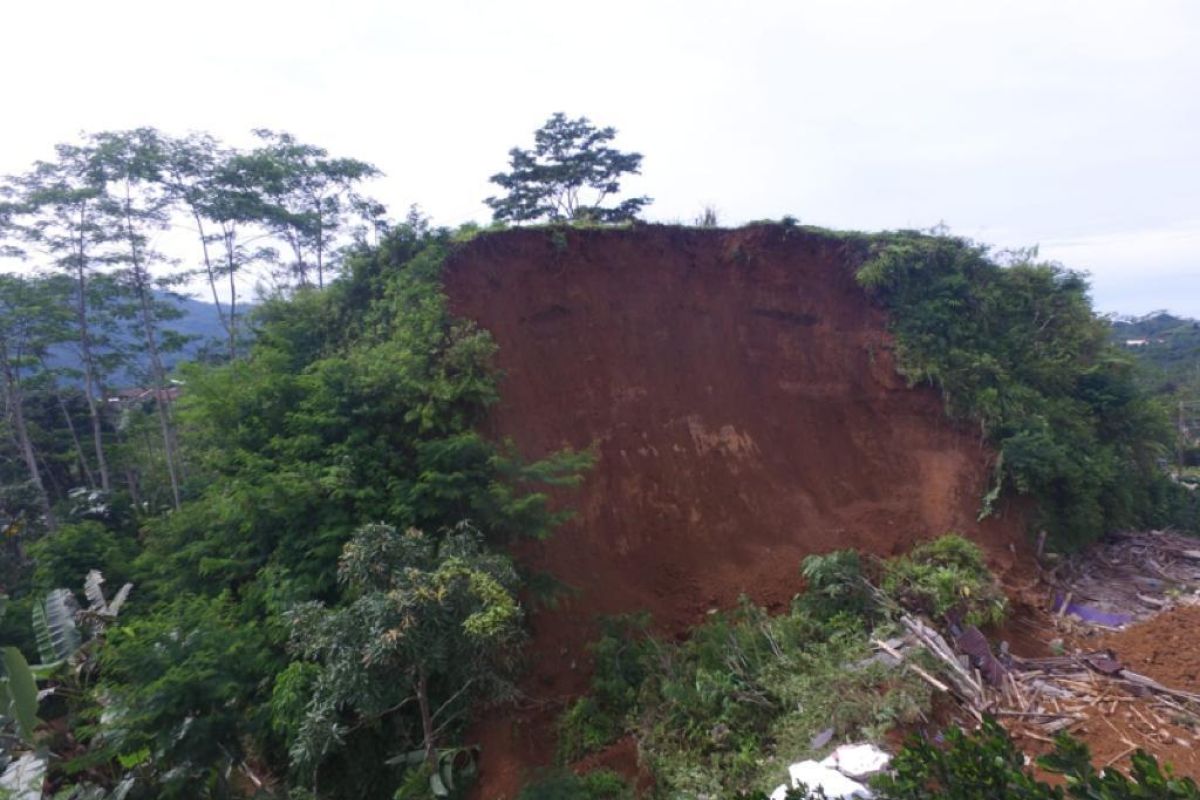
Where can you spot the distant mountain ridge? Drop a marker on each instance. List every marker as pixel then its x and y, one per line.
pixel 1167 346
pixel 200 325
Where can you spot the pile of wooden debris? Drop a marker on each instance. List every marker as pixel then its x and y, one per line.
pixel 1129 578
pixel 1037 698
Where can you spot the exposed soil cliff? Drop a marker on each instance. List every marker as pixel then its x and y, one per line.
pixel 740 392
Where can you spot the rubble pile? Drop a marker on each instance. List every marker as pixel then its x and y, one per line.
pixel 1127 578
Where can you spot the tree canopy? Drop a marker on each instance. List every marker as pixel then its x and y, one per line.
pixel 568 175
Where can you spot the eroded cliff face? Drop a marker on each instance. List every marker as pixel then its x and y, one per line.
pixel 739 390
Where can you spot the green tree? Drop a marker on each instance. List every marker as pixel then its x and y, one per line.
pixel 1014 346
pixel 32 317
pixel 307 198
pixel 137 204
pixel 567 175
pixel 183 685
pixel 56 212
pixel 210 184
pixel 433 620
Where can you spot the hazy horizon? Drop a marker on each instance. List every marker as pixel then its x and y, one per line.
pixel 1071 126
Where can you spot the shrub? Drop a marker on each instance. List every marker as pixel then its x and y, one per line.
pixel 1017 350
pixel 598 785
pixel 946 575
pixel 835 584
pixel 747 685
pixel 985 764
pixel 76 548
pixel 621 665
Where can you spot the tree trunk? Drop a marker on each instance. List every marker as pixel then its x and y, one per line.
pixel 160 389
pixel 230 235
pixel 141 284
pixel 426 717
pixel 320 249
pixel 212 277
pixel 85 469
pixel 15 402
pixel 85 352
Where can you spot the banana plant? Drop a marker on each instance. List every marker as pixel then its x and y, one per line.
pixel 100 610
pixel 20 778
pixel 58 616
pixel 57 620
pixel 455 766
pixel 58 636
pixel 23 777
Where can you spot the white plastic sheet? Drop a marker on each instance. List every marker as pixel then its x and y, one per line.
pixel 836 785
pixel 836 774
pixel 857 760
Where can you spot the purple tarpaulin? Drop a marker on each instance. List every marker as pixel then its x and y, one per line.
pixel 1089 614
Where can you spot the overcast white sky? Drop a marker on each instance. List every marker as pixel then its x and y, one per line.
pixel 1073 125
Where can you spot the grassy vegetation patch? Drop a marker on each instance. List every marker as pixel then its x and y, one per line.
pixel 944 576
pixel 747 693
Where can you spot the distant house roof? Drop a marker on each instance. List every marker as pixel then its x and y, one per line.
pixel 139 394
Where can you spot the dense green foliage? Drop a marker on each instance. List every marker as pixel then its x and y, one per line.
pixel 1168 349
pixel 944 576
pixel 427 617
pixel 248 653
pixel 595 785
pixel 985 764
pixel 1016 349
pixel 567 176
pixel 723 711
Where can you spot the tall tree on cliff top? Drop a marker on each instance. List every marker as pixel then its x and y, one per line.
pixel 567 175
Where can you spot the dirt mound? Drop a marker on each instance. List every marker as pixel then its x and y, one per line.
pixel 1165 648
pixel 1119 721
pixel 740 392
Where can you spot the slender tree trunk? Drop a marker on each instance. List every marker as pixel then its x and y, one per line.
pixel 16 404
pixel 85 351
pixel 426 717
pixel 320 250
pixel 132 482
pixel 212 276
pixel 85 469
pixel 55 488
pixel 141 284
pixel 160 389
pixel 230 236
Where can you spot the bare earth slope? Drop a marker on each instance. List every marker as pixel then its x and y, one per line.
pixel 741 395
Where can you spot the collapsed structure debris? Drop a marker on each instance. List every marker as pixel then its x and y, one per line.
pixel 1129 578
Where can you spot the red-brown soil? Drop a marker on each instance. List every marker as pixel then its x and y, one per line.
pixel 1166 649
pixel 740 392
pixel 1163 648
